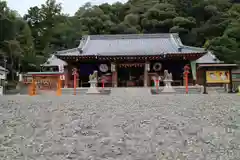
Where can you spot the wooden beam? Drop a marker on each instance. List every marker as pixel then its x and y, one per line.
pixel 134 57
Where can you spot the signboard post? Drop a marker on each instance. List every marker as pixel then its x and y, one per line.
pixel 214 74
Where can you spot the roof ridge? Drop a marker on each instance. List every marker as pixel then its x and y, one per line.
pixel 177 40
pixel 84 43
pixel 66 50
pixel 128 44
pixel 131 36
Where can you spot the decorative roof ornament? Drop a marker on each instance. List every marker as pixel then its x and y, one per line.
pixel 80 50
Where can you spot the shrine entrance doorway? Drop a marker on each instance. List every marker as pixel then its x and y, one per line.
pixel 131 75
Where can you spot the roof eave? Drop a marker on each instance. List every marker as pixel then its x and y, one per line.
pixel 219 65
pixel 111 55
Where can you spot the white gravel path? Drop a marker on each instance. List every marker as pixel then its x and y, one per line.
pixel 177 127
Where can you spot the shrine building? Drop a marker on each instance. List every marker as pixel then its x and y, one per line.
pixel 133 59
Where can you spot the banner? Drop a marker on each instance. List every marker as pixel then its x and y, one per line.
pixel 217 76
pixel 61 69
pixel 193 68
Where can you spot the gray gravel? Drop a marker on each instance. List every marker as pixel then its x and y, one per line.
pixel 177 127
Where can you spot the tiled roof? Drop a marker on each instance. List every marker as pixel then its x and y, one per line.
pixel 218 65
pixel 54 61
pixel 69 52
pixel 208 58
pixel 130 44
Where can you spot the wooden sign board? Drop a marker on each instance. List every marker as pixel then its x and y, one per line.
pixel 43 82
pixel 46 83
pixel 217 77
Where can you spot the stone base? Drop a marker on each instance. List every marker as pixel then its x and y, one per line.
pixel 168 90
pixel 155 91
pixel 178 90
pixel 93 90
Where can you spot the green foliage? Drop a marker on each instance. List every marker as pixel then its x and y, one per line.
pixel 27 41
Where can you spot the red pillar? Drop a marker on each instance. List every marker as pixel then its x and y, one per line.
pixel 74 83
pixel 103 85
pixel 157 84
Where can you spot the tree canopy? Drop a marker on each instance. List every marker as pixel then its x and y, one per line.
pixel 27 41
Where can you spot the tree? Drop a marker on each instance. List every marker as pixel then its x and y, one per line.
pixel 227 46
pixel 10 47
pixel 43 22
pixel 28 41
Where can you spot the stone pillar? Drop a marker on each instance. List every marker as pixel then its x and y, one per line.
pixel 146 69
pixel 114 74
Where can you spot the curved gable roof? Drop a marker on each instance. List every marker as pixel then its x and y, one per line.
pixel 54 61
pixel 208 58
pixel 131 44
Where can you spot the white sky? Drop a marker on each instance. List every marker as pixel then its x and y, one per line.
pixel 69 6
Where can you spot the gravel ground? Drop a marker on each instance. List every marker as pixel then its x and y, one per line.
pixel 177 127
